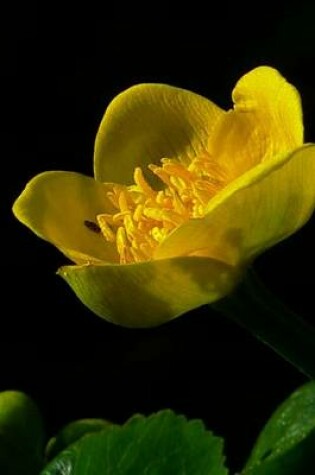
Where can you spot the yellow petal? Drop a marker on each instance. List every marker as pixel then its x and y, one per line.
pixel 148 122
pixel 266 121
pixel 57 206
pixel 262 207
pixel 150 293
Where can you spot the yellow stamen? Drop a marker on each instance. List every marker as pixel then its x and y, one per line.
pixel 122 201
pixel 178 170
pixel 159 172
pixel 138 213
pixel 142 183
pixel 107 232
pixel 145 216
pixel 122 246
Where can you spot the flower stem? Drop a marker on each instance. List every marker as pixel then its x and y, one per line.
pixel 257 309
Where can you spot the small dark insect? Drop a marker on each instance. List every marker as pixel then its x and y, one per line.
pixel 92 226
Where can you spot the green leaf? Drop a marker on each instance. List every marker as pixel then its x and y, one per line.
pixel 163 443
pixel 286 445
pixel 72 433
pixel 21 435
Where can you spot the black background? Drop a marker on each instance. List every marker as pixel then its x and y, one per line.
pixel 60 68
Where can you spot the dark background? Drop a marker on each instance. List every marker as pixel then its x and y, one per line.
pixel 60 68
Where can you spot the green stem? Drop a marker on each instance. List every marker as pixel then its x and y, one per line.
pixel 255 308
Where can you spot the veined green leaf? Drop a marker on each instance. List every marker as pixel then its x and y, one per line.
pixel 163 443
pixel 286 445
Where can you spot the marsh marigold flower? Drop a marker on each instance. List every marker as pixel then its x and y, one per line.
pixel 185 196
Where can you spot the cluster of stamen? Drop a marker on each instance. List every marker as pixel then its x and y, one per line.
pixel 146 216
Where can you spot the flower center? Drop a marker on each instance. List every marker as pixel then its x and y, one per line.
pixel 145 216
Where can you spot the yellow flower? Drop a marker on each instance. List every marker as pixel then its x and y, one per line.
pixel 185 196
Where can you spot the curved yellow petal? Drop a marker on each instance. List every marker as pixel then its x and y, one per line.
pixel 152 292
pixel 148 122
pixel 262 207
pixel 266 120
pixel 58 206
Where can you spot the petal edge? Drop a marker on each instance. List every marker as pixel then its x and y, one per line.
pixel 55 206
pixel 150 293
pixel 148 122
